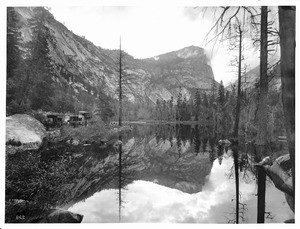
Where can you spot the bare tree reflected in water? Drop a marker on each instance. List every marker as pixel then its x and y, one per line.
pixel 127 173
pixel 261 187
pixel 241 214
pixel 220 152
pixel 196 139
pixel 236 170
pixel 120 177
pixel 244 169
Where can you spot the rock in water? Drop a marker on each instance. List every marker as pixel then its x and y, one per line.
pixel 25 129
pixel 282 179
pixel 291 201
pixel 62 216
pixel 290 221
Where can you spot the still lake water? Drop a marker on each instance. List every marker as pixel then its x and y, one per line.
pixel 179 174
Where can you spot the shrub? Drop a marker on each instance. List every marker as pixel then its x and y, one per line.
pixel 14 108
pixel 39 116
pixel 13 142
pixel 36 181
pixel 95 131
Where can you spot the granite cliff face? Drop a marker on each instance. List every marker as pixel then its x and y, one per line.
pixel 186 68
pixel 88 69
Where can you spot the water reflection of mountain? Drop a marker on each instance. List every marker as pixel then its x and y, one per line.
pixel 171 156
pixel 175 156
pixel 93 174
pixel 164 163
pixel 96 171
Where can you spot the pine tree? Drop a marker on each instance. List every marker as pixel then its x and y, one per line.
pixel 40 67
pixel 164 110
pixel 197 104
pixel 221 94
pixel 205 101
pixel 213 88
pixel 14 66
pixel 171 108
pixel 107 112
pixel 158 109
pixel 179 106
pixel 14 53
pixel 183 109
pixel 190 109
pixel 227 96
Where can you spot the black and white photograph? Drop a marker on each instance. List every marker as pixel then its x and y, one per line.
pixel 149 112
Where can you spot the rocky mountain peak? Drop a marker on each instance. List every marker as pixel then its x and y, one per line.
pixel 190 52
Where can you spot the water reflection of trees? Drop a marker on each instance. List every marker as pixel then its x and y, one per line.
pixel 245 156
pixel 203 139
pixel 127 160
pixel 235 216
pixel 168 156
pixel 196 139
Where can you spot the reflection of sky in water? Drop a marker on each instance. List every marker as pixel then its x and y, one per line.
pixel 150 202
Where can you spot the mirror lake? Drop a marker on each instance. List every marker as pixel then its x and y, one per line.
pixel 170 173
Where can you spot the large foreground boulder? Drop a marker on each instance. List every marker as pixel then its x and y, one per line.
pixel 24 129
pixel 62 216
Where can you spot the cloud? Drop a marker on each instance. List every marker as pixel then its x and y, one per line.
pixel 150 202
pixel 192 13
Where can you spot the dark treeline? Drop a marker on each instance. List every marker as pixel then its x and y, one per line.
pixel 200 137
pixel 216 107
pixel 30 69
pixel 198 107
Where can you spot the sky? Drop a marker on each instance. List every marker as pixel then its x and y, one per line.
pixel 147 31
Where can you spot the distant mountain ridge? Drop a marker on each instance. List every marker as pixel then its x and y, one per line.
pixel 86 70
pixel 251 77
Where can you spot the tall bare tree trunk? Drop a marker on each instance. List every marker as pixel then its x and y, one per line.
pixel 236 129
pixel 261 186
pixel 262 112
pixel 120 179
pixel 120 86
pixel 262 115
pixel 237 183
pixel 120 134
pixel 238 102
pixel 287 64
